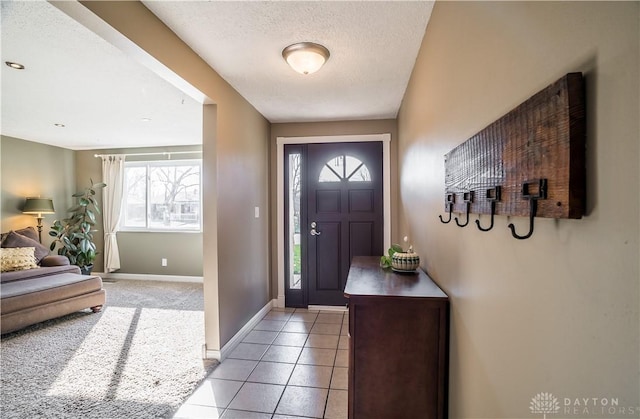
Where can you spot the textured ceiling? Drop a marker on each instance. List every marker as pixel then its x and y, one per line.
pixel 373 48
pixel 76 78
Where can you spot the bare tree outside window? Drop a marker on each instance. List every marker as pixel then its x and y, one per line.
pixel 294 222
pixel 163 195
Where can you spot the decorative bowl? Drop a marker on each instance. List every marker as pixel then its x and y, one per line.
pixel 405 262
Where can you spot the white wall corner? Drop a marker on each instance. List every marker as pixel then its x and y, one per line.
pixel 210 353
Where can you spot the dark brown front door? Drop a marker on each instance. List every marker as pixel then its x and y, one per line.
pixel 344 214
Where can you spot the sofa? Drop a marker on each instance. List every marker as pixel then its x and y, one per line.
pixel 36 286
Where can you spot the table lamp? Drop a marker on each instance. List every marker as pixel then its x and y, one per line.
pixel 38 206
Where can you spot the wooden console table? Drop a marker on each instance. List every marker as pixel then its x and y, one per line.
pixel 399 345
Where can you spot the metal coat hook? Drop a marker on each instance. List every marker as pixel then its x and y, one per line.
pixel 451 199
pixel 468 199
pixel 533 199
pixel 493 196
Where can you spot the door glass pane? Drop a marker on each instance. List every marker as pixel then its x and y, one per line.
pixel 337 165
pixel 344 167
pixel 356 170
pixel 327 175
pixel 294 221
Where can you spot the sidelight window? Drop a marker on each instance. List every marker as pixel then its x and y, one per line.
pixel 294 183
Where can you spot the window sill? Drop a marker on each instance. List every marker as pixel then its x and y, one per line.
pixel 129 230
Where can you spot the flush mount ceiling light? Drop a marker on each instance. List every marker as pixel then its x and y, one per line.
pixel 15 66
pixel 59 125
pixel 305 57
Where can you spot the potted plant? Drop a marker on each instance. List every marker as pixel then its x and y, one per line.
pixel 385 261
pixel 75 234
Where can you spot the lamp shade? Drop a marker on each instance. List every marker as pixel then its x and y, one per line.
pixel 38 206
pixel 305 57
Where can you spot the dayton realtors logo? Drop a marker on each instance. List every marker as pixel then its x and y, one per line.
pixel 547 403
pixel 544 403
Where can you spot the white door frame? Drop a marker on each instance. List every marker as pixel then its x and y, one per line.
pixel 386 188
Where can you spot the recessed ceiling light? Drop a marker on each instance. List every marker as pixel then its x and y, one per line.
pixel 59 125
pixel 145 119
pixel 15 66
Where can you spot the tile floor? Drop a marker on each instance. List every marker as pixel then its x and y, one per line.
pixel 293 364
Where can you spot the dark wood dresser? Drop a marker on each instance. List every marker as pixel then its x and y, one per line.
pixel 399 345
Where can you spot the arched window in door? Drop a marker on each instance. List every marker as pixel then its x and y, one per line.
pixel 346 168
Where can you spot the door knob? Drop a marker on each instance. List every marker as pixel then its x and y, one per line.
pixel 313 229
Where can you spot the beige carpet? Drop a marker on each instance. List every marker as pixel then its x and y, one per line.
pixel 139 358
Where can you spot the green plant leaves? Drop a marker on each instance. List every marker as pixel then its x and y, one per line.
pixel 385 261
pixel 395 248
pixel 74 234
pixel 91 216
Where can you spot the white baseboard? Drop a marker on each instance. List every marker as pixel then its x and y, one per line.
pixel 327 308
pixel 237 338
pixel 150 277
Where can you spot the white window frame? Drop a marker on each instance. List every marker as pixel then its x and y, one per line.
pixel 148 165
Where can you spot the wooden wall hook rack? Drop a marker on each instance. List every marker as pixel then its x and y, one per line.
pixel 542 138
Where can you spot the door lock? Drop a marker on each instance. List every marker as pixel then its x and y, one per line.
pixel 313 229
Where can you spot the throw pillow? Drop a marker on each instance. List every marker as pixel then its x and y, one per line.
pixel 17 259
pixel 27 232
pixel 14 239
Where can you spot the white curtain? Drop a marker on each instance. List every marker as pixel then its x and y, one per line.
pixel 113 176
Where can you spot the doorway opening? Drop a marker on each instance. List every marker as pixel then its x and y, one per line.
pixel 350 216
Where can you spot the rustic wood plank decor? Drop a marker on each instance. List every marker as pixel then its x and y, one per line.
pixel 543 138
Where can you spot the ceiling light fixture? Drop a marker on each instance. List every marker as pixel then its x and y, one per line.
pixel 15 66
pixel 305 57
pixel 59 125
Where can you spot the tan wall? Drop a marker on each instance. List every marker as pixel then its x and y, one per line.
pixel 313 129
pixel 33 169
pixel 141 253
pixel 239 146
pixel 558 312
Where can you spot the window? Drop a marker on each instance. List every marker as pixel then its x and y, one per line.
pixel 344 168
pixel 163 195
pixel 294 183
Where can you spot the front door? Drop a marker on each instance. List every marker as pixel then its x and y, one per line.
pixel 344 214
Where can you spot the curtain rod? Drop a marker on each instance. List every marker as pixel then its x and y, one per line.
pixel 164 153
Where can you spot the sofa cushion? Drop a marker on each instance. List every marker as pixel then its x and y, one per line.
pixel 20 295
pixel 14 239
pixel 37 273
pixel 17 259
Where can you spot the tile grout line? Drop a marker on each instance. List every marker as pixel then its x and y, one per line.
pixel 295 364
pixel 251 372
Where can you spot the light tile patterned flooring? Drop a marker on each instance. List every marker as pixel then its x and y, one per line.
pixel 293 364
